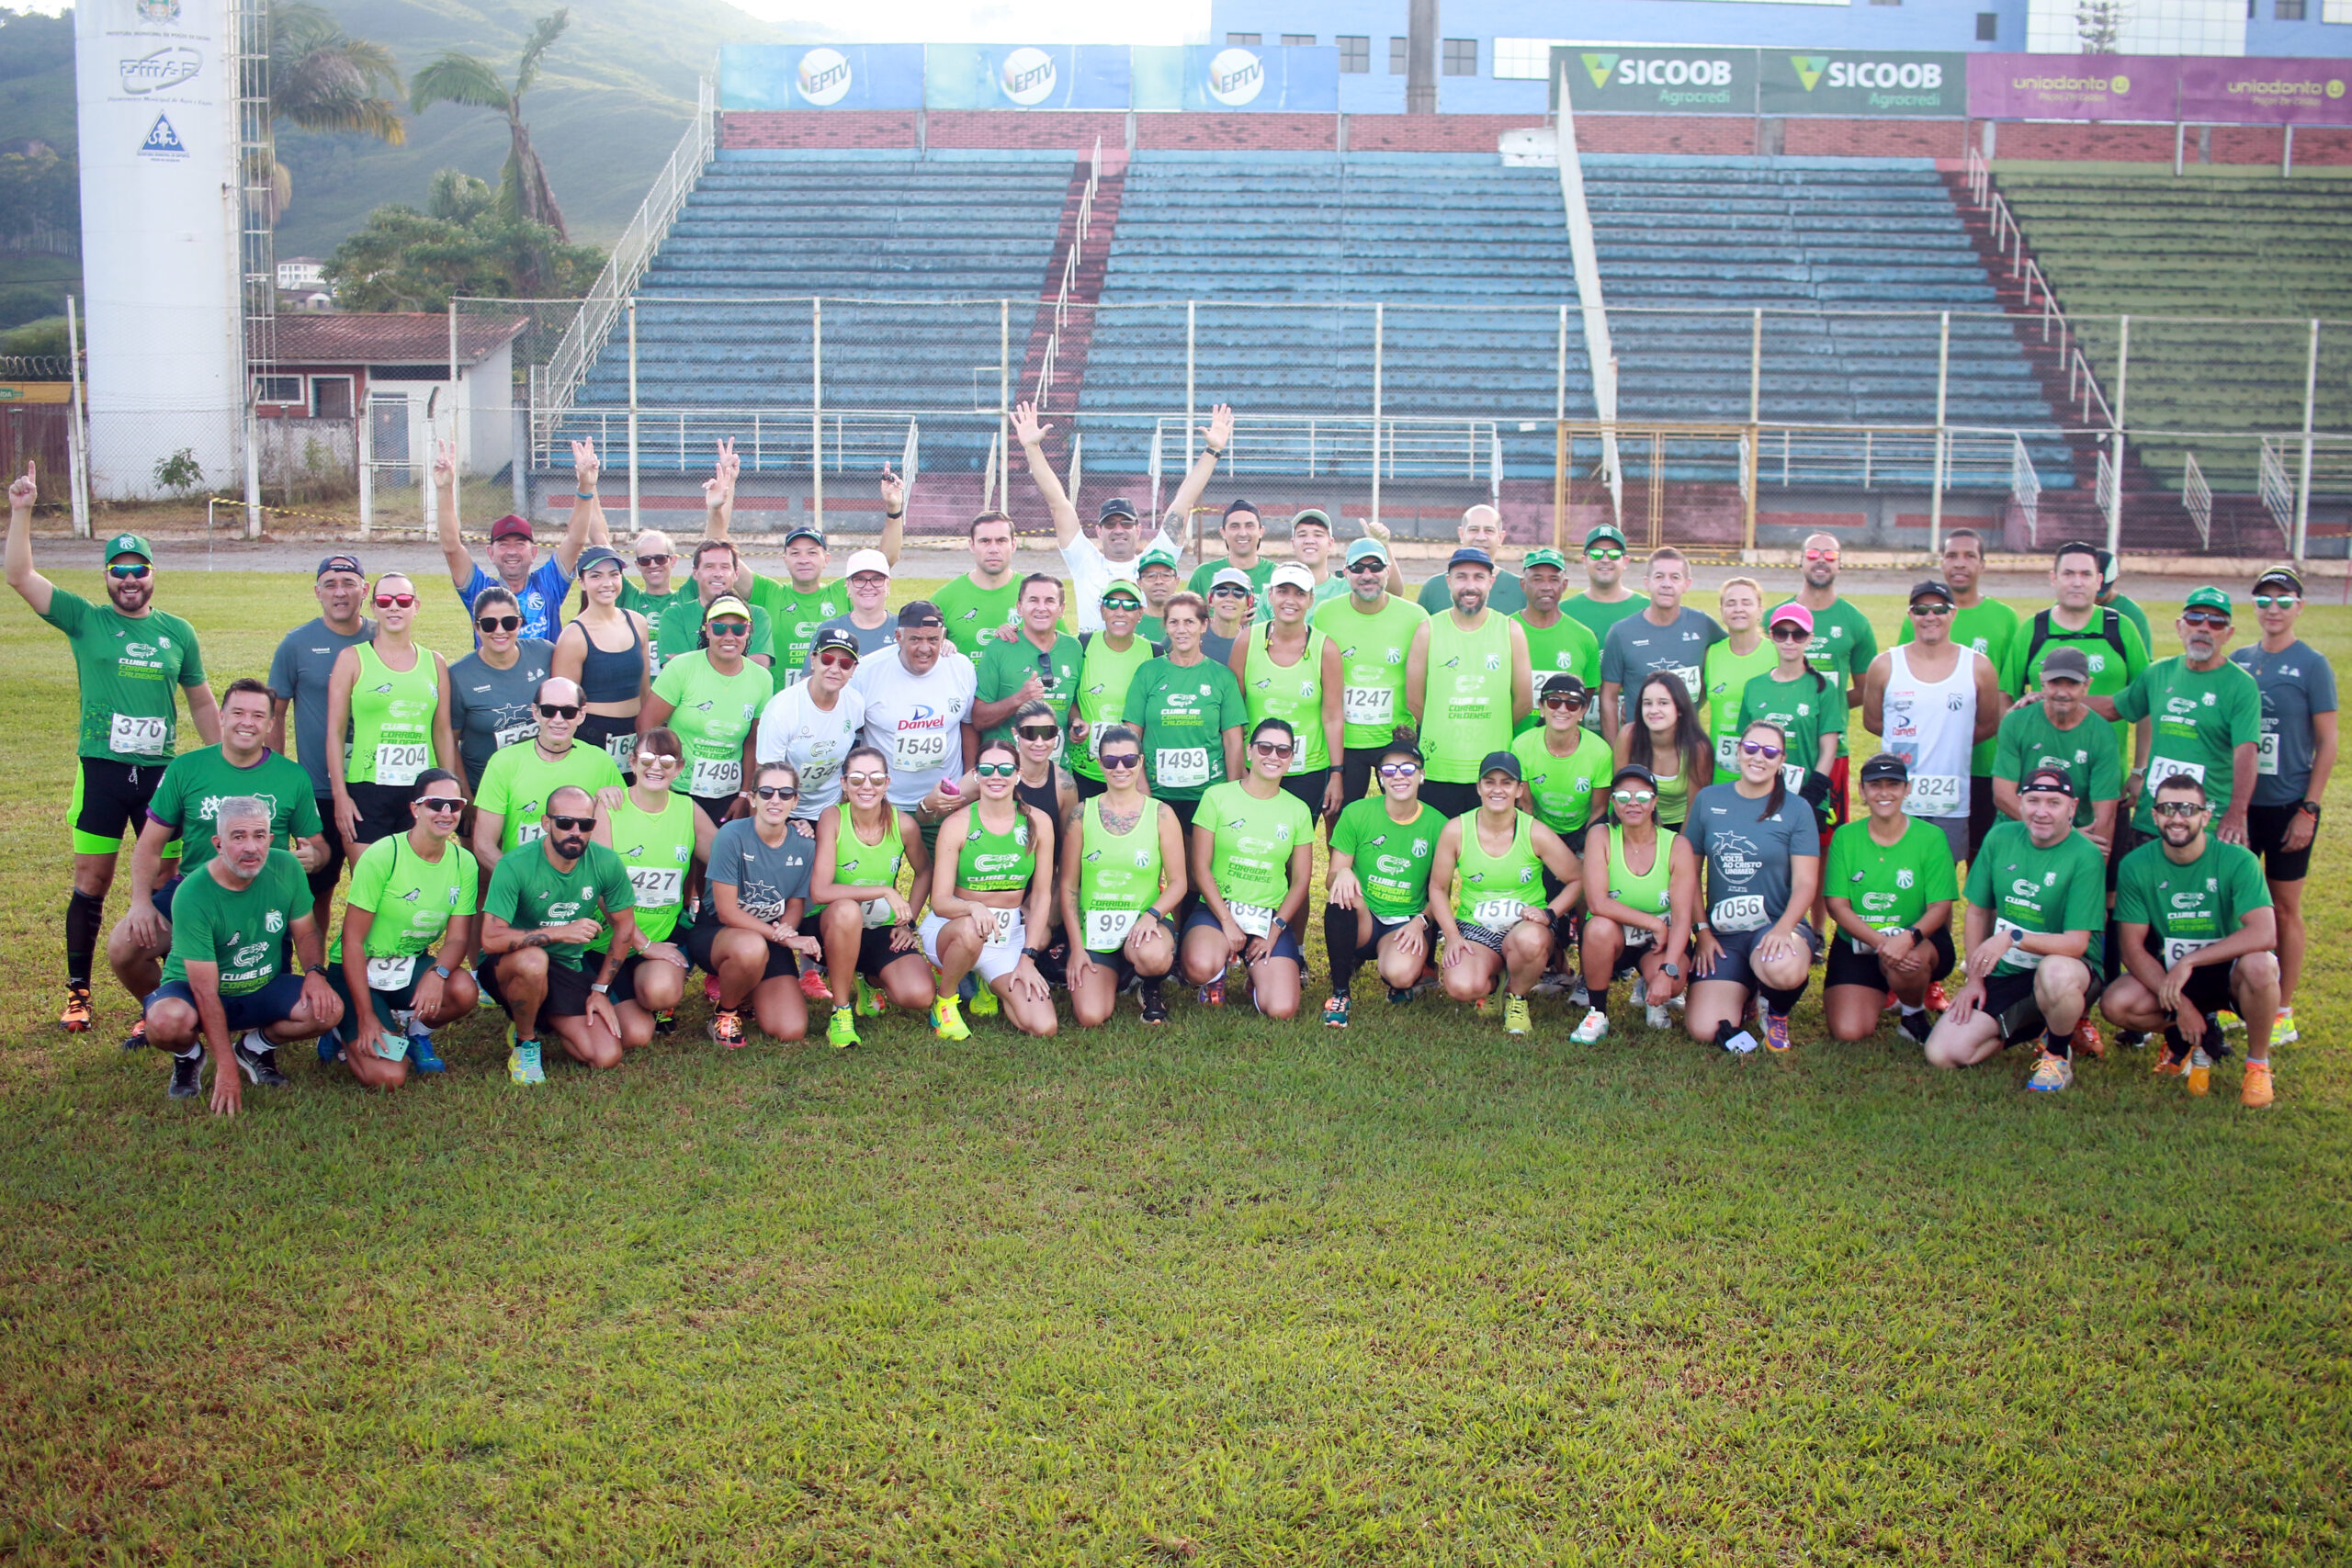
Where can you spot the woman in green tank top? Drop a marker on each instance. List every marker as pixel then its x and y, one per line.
pixel 1106 669
pixel 1487 890
pixel 1121 878
pixel 1253 858
pixel 868 928
pixel 1668 739
pixel 1291 672
pixel 391 698
pixel 990 889
pixel 1468 678
pixel 1642 887
pixel 660 836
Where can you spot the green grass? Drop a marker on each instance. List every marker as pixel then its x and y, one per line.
pixel 1228 1292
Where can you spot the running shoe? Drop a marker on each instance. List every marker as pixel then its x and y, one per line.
pixel 869 1000
pixel 2201 1071
pixel 258 1060
pixel 1938 999
pixel 946 1022
pixel 2131 1039
pixel 330 1046
pixel 187 1077
pixel 76 1016
pixel 841 1032
pixel 1581 995
pixel 1640 993
pixel 1335 1013
pixel 665 1021
pixel 1515 1018
pixel 1552 988
pixel 523 1063
pixel 2051 1073
pixel 1213 994
pixel 1659 1015
pixel 2168 1066
pixel 2229 1020
pixel 1155 1006
pixel 984 1002
pixel 1775 1032
pixel 813 987
pixel 1590 1028
pixel 1399 995
pixel 136 1039
pixel 421 1054
pixel 2283 1031
pixel 2255 1091
pixel 2087 1038
pixel 727 1028
pixel 1916 1026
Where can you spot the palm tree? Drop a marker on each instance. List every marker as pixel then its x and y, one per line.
pixel 321 78
pixel 523 188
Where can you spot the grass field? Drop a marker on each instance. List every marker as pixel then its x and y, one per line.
pixel 1226 1293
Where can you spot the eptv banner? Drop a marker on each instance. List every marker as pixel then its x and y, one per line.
pixel 1863 83
pixel 1622 80
pixel 820 76
pixel 1025 77
pixel 1205 79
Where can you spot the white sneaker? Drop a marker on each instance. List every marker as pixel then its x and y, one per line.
pixel 2051 1075
pixel 1589 1032
pixel 2282 1027
pixel 1661 1015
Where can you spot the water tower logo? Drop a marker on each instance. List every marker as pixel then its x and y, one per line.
pixel 159 10
pixel 1027 76
pixel 159 72
pixel 824 76
pixel 1235 76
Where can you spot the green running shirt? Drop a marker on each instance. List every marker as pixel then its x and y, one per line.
pixel 391 720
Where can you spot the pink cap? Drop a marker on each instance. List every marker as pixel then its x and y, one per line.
pixel 1797 612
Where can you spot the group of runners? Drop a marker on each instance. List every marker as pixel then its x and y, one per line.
pixel 1118 780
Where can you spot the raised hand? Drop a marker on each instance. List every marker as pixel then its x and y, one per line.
pixel 893 491
pixel 1219 433
pixel 584 466
pixel 1026 427
pixel 22 491
pixel 445 462
pixel 719 489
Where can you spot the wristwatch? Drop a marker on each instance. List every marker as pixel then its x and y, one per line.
pixel 1032 954
pixel 318 969
pixel 1670 969
pixel 602 987
pixel 442 970
pixel 2309 808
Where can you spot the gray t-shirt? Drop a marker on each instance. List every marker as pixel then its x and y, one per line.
pixel 1636 646
pixel 2296 684
pixel 764 879
pixel 490 707
pixel 298 675
pixel 884 636
pixel 1748 853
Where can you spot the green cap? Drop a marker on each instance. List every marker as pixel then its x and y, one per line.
pixel 2210 598
pixel 1156 557
pixel 1123 585
pixel 1542 558
pixel 129 544
pixel 1606 531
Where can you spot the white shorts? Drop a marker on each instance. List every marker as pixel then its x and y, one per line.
pixel 994 963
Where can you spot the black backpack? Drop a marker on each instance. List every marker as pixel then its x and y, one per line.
pixel 2111 629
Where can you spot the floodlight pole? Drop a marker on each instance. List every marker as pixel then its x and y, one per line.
pixel 1943 388
pixel 2303 485
pixel 633 525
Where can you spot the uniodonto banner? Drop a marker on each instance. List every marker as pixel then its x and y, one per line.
pixel 1863 83
pixel 2199 89
pixel 1205 79
pixel 820 76
pixel 1025 76
pixel 1625 79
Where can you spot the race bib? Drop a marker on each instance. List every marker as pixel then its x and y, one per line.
pixel 922 752
pixel 530 833
pixel 139 737
pixel 2163 768
pixel 818 773
pixel 1180 767
pixel 621 748
pixel 1793 775
pixel 514 735
pixel 1498 914
pixel 1255 920
pixel 2266 754
pixel 2016 957
pixel 657 885
pixel 1936 795
pixel 390 973
pixel 1743 913
pixel 1376 707
pixel 2179 947
pixel 1865 950
pixel 1692 682
pixel 1000 925
pixel 1638 937
pixel 399 761
pixel 1727 754
pixel 715 776
pixel 1106 928
pixel 879 913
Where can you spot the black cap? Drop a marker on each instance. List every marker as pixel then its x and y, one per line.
pixel 1117 506
pixel 833 637
pixel 1886 765
pixel 2047 781
pixel 1931 588
pixel 1233 506
pixel 2277 576
pixel 598 555
pixel 351 564
pixel 1499 763
pixel 921 613
pixel 1566 681
pixel 1634 770
pixel 1470 555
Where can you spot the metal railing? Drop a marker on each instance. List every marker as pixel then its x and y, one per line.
pixel 1070 273
pixel 2008 238
pixel 2197 496
pixel 2025 488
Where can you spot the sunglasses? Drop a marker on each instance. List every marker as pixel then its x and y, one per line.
pixel 654 560
pixel 775 792
pixel 1399 770
pixel 1121 603
pixel 1758 748
pixel 730 628
pixel 498 623
pixel 1121 761
pixel 1034 732
pixel 1821 554
pixel 997 770
pixel 834 659
pixel 1374 567
pixel 1632 796
pixel 2179 808
pixel 1228 591
pixel 1789 631
pixel 1271 749
pixel 1563 701
pixel 558 710
pixel 2205 618
pixel 2276 601
pixel 440 803
pixel 570 824
pixel 129 571
pixel 645 760
pixel 394 600
pixel 862 780
pixel 1928 611
pixel 1605 555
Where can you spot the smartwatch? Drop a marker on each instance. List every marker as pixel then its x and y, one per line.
pixel 602 987
pixel 1033 954
pixel 1669 969
pixel 318 969
pixel 442 970
pixel 2309 808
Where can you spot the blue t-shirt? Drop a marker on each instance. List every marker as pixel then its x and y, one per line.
pixel 764 879
pixel 1748 854
pixel 2295 685
pixel 541 598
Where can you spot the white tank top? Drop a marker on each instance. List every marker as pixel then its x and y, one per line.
pixel 1931 725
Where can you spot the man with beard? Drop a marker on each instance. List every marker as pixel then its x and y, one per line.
pixel 512 803
pixel 1988 626
pixel 1111 556
pixel 545 903
pixel 1555 641
pixel 297 679
pixel 2060 731
pixel 1373 628
pixel 1481 529
pixel 129 658
pixel 1666 635
pixel 2207 717
pixel 1843 645
pixel 981 602
pixel 1606 600
pixel 1467 681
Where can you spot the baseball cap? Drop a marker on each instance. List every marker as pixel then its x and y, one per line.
pixel 1232 577
pixel 868 561
pixel 921 613
pixel 2047 781
pixel 1293 574
pixel 1546 557
pixel 1311 514
pixel 1608 532
pixel 804 530
pixel 1931 588
pixel 2279 577
pixel 1499 763
pixel 598 555
pixel 326 564
pixel 833 637
pixel 1123 585
pixel 1470 555
pixel 1634 770
pixel 1797 613
pixel 727 605
pixel 510 524
pixel 2110 567
pixel 1887 765
pixel 2066 663
pixel 1563 681
pixel 130 545
pixel 1235 506
pixel 1157 556
pixel 1366 549
pixel 1117 506
pixel 2207 598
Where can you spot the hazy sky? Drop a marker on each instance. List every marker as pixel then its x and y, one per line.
pixel 993 21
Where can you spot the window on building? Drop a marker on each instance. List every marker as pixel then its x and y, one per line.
pixel 1524 59
pixel 1299 40
pixel 1241 40
pixel 1461 58
pixel 1397 65
pixel 2289 11
pixel 1355 54
pixel 278 389
pixel 329 397
pixel 1988 27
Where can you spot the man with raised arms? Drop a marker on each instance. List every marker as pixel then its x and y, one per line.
pixel 1095 564
pixel 539 585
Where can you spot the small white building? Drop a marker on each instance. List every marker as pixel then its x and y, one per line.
pixel 393 366
pixel 301 274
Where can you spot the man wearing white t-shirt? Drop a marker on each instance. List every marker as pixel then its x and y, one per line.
pixel 1094 566
pixel 812 724
pixel 919 696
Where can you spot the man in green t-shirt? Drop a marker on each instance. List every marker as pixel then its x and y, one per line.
pixel 2037 902
pixel 1556 642
pixel 981 602
pixel 1038 665
pixel 1843 645
pixel 680 628
pixel 129 658
pixel 793 606
pixel 1243 534
pixel 1890 883
pixel 1374 629
pixel 1988 626
pixel 2206 717
pixel 545 906
pixel 2200 936
pixel 2060 731
pixel 1189 710
pixel 1606 600
pixel 523 777
pixel 2109 641
pixel 225 984
pixel 1481 529
pixel 190 791
pixel 1155 575
pixel 1382 850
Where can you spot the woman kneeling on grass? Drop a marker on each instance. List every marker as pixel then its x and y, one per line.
pixel 1762 846
pixel 750 934
pixel 1497 923
pixel 1253 858
pixel 407 929
pixel 1123 876
pixel 869 926
pixel 992 887
pixel 661 837
pixel 1382 850
pixel 1642 887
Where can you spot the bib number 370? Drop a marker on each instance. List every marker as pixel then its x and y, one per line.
pixel 139 737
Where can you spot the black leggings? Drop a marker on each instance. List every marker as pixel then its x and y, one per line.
pixel 1347 955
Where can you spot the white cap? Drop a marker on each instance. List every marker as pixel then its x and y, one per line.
pixel 868 560
pixel 1295 574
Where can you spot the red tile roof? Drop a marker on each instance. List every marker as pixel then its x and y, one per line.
pixel 391 337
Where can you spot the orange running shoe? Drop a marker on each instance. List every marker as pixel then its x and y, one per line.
pixel 76 1016
pixel 2087 1038
pixel 2255 1091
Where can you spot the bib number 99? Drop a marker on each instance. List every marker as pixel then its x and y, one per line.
pixel 1107 928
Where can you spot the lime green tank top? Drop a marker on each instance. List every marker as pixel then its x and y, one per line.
pixel 1293 693
pixel 1492 890
pixel 995 862
pixel 1673 798
pixel 658 850
pixel 857 864
pixel 1648 892
pixel 1104 676
pixel 392 720
pixel 1467 700
pixel 1118 874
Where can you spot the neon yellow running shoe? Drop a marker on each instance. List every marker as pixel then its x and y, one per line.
pixel 946 1022
pixel 842 1031
pixel 869 1002
pixel 1515 1018
pixel 984 1003
pixel 2282 1027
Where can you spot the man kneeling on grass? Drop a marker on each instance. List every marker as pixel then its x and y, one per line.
pixel 2036 900
pixel 2199 934
pixel 542 912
